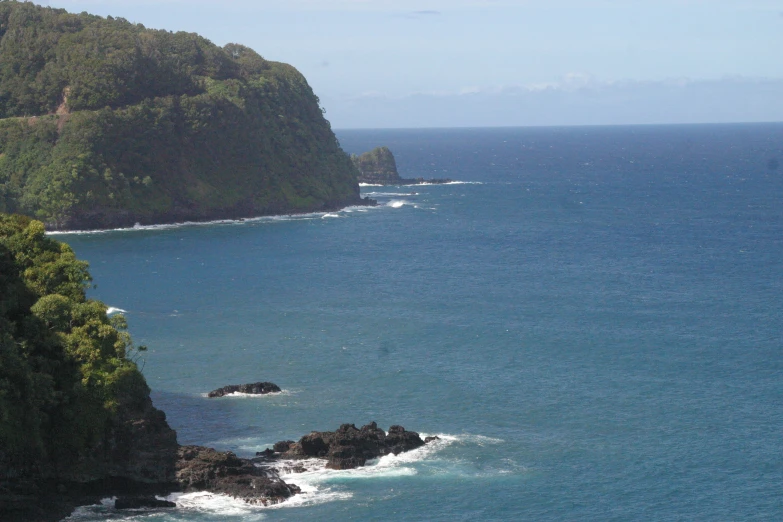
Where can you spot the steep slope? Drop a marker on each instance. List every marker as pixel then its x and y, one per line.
pixel 75 412
pixel 104 123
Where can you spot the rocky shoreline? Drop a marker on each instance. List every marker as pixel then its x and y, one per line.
pixel 119 219
pixel 256 480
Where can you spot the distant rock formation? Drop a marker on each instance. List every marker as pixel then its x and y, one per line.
pixel 378 167
pixel 257 388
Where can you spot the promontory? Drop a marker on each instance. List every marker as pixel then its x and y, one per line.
pixel 105 123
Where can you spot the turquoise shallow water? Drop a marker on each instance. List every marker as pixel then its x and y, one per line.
pixel 593 324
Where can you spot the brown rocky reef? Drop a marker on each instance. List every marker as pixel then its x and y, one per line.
pixel 350 447
pixel 257 388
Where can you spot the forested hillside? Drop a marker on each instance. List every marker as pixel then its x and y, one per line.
pixel 106 123
pixel 74 407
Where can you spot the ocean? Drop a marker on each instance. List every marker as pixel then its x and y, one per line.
pixel 591 319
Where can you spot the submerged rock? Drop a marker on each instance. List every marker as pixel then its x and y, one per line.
pixel 256 388
pixel 350 447
pixel 142 502
pixel 206 469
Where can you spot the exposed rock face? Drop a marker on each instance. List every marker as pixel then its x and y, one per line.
pixel 258 388
pixel 350 447
pixel 200 469
pixel 136 456
pixel 378 167
pixel 141 448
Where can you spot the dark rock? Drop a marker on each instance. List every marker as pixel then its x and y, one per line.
pixel 350 447
pixel 142 502
pixel 200 469
pixel 282 446
pixel 427 440
pixel 257 388
pixel 267 453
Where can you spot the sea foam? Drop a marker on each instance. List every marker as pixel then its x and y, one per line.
pixel 187 224
pixel 447 183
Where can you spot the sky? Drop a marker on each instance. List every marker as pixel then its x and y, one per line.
pixel 477 63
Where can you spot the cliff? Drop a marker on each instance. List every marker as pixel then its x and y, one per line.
pixel 104 123
pixel 77 419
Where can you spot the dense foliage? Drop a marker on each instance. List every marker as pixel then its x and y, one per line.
pixel 65 366
pixel 104 122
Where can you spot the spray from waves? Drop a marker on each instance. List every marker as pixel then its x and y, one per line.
pixel 112 310
pixel 223 506
pixel 447 183
pixel 397 203
pixel 330 215
pixel 390 194
pixel 190 506
pixel 370 185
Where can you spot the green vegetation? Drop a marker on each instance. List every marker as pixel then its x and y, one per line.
pixel 65 367
pixel 106 123
pixel 377 166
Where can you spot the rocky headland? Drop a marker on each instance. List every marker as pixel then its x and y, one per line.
pixel 378 167
pixel 105 123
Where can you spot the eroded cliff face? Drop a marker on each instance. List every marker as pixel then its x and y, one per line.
pixel 139 448
pixel 137 455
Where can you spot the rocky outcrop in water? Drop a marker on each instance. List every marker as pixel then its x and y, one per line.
pixel 378 167
pixel 205 469
pixel 257 388
pixel 350 447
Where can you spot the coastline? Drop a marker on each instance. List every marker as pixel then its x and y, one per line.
pixel 218 219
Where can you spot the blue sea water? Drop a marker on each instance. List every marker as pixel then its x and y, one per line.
pixel 593 324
